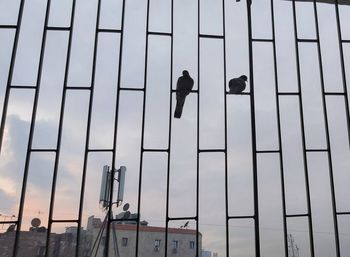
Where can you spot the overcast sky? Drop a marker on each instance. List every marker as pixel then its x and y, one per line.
pixel 182 202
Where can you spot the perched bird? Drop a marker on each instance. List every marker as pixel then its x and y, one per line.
pixel 237 85
pixel 185 225
pixel 183 88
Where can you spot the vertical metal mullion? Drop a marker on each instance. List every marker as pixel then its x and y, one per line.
pixel 31 131
pixel 59 136
pixel 306 172
pixel 116 124
pixel 253 130
pixel 170 130
pixel 225 121
pixel 142 131
pixel 283 192
pixel 87 140
pixel 198 109
pixel 325 116
pixel 9 78
pixel 342 63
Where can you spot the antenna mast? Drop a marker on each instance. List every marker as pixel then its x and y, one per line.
pixel 293 249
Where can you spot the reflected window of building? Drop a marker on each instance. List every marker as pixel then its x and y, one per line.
pixel 124 241
pixel 175 246
pixel 192 244
pixel 41 251
pixel 156 245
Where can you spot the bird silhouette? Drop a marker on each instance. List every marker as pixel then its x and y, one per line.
pixel 185 225
pixel 183 88
pixel 237 85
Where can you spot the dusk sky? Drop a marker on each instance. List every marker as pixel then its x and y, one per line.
pixel 183 147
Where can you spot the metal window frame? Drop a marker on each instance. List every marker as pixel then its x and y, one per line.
pixel 255 152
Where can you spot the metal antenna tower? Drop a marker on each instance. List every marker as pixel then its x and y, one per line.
pixel 293 249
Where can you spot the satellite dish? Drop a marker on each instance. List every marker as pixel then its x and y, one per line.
pixel 126 207
pixel 36 222
pixel 126 215
pixel 143 223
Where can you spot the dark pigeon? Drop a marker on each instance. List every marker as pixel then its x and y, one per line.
pixel 237 85
pixel 183 88
pixel 185 225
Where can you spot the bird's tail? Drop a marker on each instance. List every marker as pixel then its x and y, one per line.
pixel 178 109
pixel 179 106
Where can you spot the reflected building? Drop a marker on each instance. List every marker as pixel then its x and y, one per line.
pixel 206 253
pixel 32 243
pixel 151 243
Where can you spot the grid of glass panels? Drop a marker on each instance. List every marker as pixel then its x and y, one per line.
pixel 88 83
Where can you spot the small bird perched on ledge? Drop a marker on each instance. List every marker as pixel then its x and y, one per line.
pixel 237 85
pixel 185 225
pixel 183 88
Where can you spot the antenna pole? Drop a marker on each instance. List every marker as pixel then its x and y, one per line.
pixel 99 236
pixel 109 212
pixel 292 245
pixel 107 200
pixel 293 248
pixel 115 244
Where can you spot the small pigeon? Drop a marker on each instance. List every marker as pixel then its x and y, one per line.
pixel 186 224
pixel 183 88
pixel 237 85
